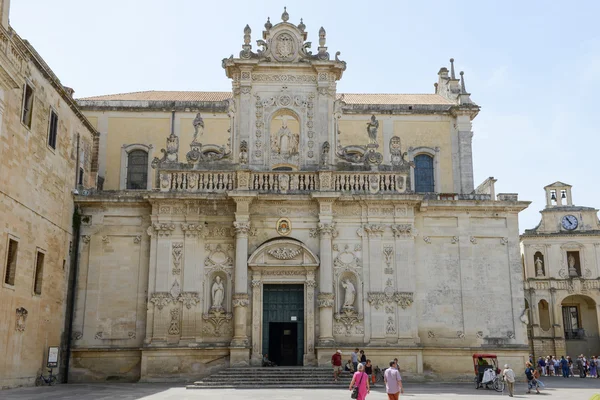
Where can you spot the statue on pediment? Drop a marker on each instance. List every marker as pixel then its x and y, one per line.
pixel 285 142
pixel 372 127
pixel 198 127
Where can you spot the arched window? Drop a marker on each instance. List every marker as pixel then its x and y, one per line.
pixel 424 181
pixel 137 169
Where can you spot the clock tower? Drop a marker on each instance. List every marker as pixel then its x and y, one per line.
pixel 561 261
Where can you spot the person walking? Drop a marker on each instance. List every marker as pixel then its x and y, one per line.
pixel 594 367
pixel 336 362
pixel 570 361
pixel 509 377
pixel 581 366
pixel 361 381
pixel 564 365
pixel 541 366
pixel 393 381
pixel 355 359
pixel 369 371
pixel 531 381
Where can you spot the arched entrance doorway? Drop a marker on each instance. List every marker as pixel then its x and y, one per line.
pixel 283 302
pixel 580 325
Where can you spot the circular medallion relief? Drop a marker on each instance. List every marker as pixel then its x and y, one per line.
pixel 285 47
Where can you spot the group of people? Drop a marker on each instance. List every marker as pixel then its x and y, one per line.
pixel 552 366
pixel 363 374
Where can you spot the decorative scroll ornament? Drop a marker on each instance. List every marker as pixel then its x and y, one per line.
pixel 390 326
pixel 241 228
pixel 396 154
pixel 240 300
pixel 285 253
pixel 403 299
pixel 325 300
pixel 373 230
pixel 218 257
pixel 327 230
pixel 21 313
pixel 378 299
pixel 388 252
pixel 195 229
pixel 349 318
pixel 347 259
pixel 85 238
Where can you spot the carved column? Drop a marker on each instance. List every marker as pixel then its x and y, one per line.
pixel 240 338
pixel 256 319
pixel 378 318
pixel 309 356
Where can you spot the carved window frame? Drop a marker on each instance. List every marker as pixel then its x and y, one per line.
pixel 125 150
pixel 434 154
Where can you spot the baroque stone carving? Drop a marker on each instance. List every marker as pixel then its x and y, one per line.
pixel 217 294
pixel 85 239
pixel 21 313
pixel 189 299
pixel 177 252
pixel 325 300
pixel 473 240
pixel 241 228
pixel 77 335
pixel 285 253
pixel 350 295
pixel 243 158
pixel 374 230
pixel 372 127
pixel 378 299
pixel 174 324
pixel 170 155
pixel 327 230
pixel 460 334
pixel 348 318
pixel 403 230
pixel 388 252
pixel 194 229
pixel 427 239
pixel 137 239
pixel 396 154
pixel 218 318
pixel 284 142
pixel 98 335
pixel 160 299
pixel 240 300
pixel 218 256
pixel 163 229
pixel 346 258
pixel 390 326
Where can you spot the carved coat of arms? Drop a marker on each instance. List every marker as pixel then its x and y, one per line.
pixel 284 47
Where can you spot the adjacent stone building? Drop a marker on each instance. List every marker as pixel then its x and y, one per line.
pixel 46 151
pixel 285 218
pixel 561 258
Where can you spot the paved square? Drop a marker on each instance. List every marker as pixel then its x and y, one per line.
pixel 571 389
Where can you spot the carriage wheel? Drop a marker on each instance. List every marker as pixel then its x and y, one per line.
pixel 499 385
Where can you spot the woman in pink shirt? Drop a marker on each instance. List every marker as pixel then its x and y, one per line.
pixel 361 380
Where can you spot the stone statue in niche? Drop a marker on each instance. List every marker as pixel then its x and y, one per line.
pixel 539 267
pixel 217 294
pixel 325 154
pixel 349 295
pixel 372 127
pixel 198 127
pixel 572 269
pixel 284 142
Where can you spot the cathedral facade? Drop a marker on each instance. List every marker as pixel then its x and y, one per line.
pixel 284 218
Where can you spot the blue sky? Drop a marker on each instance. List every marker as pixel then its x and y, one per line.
pixel 533 66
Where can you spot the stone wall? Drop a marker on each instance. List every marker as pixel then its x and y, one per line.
pixel 36 209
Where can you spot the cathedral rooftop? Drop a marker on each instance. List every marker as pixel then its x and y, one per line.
pixel 191 96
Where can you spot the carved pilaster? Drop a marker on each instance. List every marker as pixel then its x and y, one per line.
pixel 325 300
pixel 163 229
pixel 240 300
pixel 374 230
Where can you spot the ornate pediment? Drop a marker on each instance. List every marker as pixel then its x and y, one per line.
pixel 283 252
pixel 284 43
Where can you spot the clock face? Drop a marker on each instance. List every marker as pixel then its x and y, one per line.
pixel 569 222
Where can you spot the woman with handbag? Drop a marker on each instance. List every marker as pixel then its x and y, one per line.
pixel 360 384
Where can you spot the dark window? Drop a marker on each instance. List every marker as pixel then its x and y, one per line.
pixel 137 169
pixel 52 129
pixel 571 323
pixel 80 180
pixel 11 262
pixel 27 105
pixel 424 174
pixel 39 273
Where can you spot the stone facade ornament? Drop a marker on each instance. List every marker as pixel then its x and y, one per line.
pixel 195 229
pixel 241 228
pixel 539 267
pixel 240 300
pixel 189 299
pixel 219 320
pixel 285 253
pixel 85 239
pixel 348 318
pixel 198 127
pixel 160 299
pixel 390 326
pixel 372 127
pixel 350 295
pixel 284 227
pixel 404 299
pixel 388 252
pixel 163 229
pixel 137 239
pixel 217 294
pixel 378 299
pixel 374 230
pixel 177 252
pixel 171 154
pixel 174 325
pixel 327 230
pixel 403 230
pixel 243 152
pixel 325 154
pixel 396 155
pixel 346 258
pixel 21 318
pixel 175 290
pixel 325 300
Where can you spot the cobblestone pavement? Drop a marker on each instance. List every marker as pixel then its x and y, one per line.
pixel 571 389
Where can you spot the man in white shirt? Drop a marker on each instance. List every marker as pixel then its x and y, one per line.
pixel 355 359
pixel 509 377
pixel 393 382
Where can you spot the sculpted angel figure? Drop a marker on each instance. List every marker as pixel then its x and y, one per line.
pixel 372 127
pixel 350 294
pixel 198 126
pixel 217 293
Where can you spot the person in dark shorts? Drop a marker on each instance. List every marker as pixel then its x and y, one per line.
pixel 369 371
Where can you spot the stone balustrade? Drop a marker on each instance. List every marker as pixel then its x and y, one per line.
pixel 10 51
pixel 565 284
pixel 282 181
